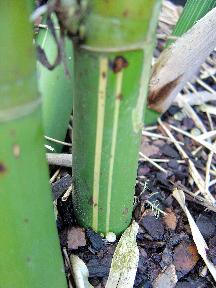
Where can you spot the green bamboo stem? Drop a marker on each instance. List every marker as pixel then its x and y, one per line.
pixel 192 12
pixel 56 89
pixel 30 254
pixel 111 79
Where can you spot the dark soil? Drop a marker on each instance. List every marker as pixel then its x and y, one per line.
pixel 162 240
pixel 179 2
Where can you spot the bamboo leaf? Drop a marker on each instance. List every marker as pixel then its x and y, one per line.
pixel 125 260
pixel 179 62
pixel 192 12
pixel 80 272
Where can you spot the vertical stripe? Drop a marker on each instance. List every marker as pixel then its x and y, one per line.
pixel 103 66
pixel 113 144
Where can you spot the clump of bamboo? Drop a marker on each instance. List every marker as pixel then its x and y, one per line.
pixel 55 87
pixel 112 68
pixel 30 254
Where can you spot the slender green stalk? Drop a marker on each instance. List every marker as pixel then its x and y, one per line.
pixel 192 12
pixel 29 254
pixel 56 89
pixel 112 72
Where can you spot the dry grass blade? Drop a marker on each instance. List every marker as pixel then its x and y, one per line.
pixel 208 165
pixel 68 265
pixel 209 134
pixel 192 197
pixel 80 272
pixel 152 162
pixel 197 98
pixel 197 236
pixel 158 160
pixel 198 140
pixel 208 108
pixel 55 175
pixel 156 135
pixel 206 86
pixel 193 115
pixel 192 169
pixel 67 193
pixel 57 141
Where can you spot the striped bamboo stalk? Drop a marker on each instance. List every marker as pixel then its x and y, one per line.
pixel 112 70
pixel 56 88
pixel 192 12
pixel 29 254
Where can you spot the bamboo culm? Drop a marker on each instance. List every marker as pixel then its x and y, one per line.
pixel 30 254
pixel 112 68
pixel 56 88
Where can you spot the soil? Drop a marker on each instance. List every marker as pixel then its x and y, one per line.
pixel 164 238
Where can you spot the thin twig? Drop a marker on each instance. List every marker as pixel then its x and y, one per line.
pixel 157 160
pixel 152 162
pixel 58 141
pixel 154 135
pixel 194 99
pixel 191 197
pixel 67 193
pixel 150 128
pixel 191 113
pixel 209 134
pixel 59 159
pixel 206 86
pixel 198 140
pixel 192 169
pixel 55 175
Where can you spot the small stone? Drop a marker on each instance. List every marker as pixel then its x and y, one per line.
pixel 195 132
pixel 179 116
pixel 111 237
